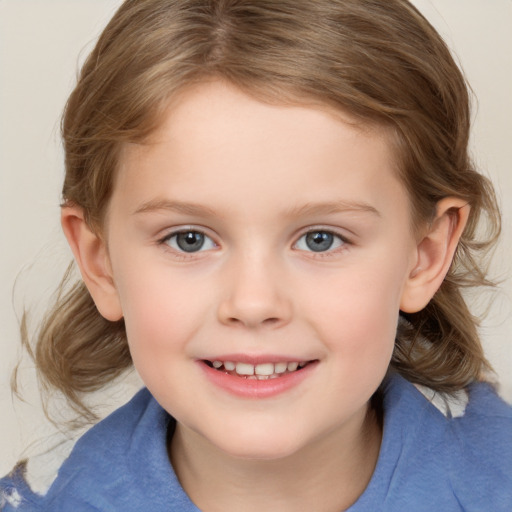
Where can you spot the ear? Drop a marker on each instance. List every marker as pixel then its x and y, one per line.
pixel 434 254
pixel 91 255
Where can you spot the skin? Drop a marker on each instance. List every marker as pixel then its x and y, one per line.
pixel 255 179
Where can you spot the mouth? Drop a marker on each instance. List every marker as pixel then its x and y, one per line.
pixel 261 371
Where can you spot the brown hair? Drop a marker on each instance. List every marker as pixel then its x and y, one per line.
pixel 378 60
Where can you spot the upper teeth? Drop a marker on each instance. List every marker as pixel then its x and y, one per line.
pixel 262 369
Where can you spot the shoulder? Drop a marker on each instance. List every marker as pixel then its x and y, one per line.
pixel 106 470
pixel 102 463
pixel 15 493
pixel 482 439
pixel 457 446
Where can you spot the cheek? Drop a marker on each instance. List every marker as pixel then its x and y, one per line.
pixel 159 325
pixel 160 312
pixel 357 317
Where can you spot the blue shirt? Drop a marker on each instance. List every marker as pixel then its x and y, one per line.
pixel 429 461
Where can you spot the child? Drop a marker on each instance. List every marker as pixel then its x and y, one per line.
pixel 274 212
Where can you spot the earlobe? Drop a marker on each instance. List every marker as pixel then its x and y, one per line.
pixel 434 254
pixel 91 255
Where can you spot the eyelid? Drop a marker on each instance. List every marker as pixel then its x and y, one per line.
pixel 323 229
pixel 172 232
pixel 337 231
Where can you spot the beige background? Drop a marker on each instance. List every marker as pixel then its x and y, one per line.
pixel 41 44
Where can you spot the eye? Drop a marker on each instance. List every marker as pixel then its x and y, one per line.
pixel 189 241
pixel 320 241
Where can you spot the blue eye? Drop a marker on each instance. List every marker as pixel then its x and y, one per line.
pixel 319 241
pixel 189 241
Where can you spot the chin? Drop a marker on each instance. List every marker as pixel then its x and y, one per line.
pixel 264 448
pixel 263 454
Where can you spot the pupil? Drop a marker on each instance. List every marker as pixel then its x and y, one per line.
pixel 190 241
pixel 319 241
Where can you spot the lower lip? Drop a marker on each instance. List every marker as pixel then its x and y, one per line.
pixel 253 388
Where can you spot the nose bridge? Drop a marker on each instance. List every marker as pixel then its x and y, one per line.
pixel 254 292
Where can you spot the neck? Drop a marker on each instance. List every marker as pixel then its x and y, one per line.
pixel 329 474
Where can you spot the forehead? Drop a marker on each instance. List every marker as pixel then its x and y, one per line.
pixel 218 103
pixel 216 142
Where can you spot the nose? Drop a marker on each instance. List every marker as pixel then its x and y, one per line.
pixel 255 295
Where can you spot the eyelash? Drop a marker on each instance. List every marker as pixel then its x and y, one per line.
pixel 182 254
pixel 342 242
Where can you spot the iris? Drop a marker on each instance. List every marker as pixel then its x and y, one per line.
pixel 319 241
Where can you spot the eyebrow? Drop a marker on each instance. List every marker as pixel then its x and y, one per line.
pixel 309 209
pixel 331 207
pixel 157 205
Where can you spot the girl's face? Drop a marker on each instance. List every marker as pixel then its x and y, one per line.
pixel 260 254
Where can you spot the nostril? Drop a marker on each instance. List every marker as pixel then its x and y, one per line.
pixel 266 321
pixel 253 306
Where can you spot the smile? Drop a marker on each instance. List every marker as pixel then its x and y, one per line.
pixel 262 371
